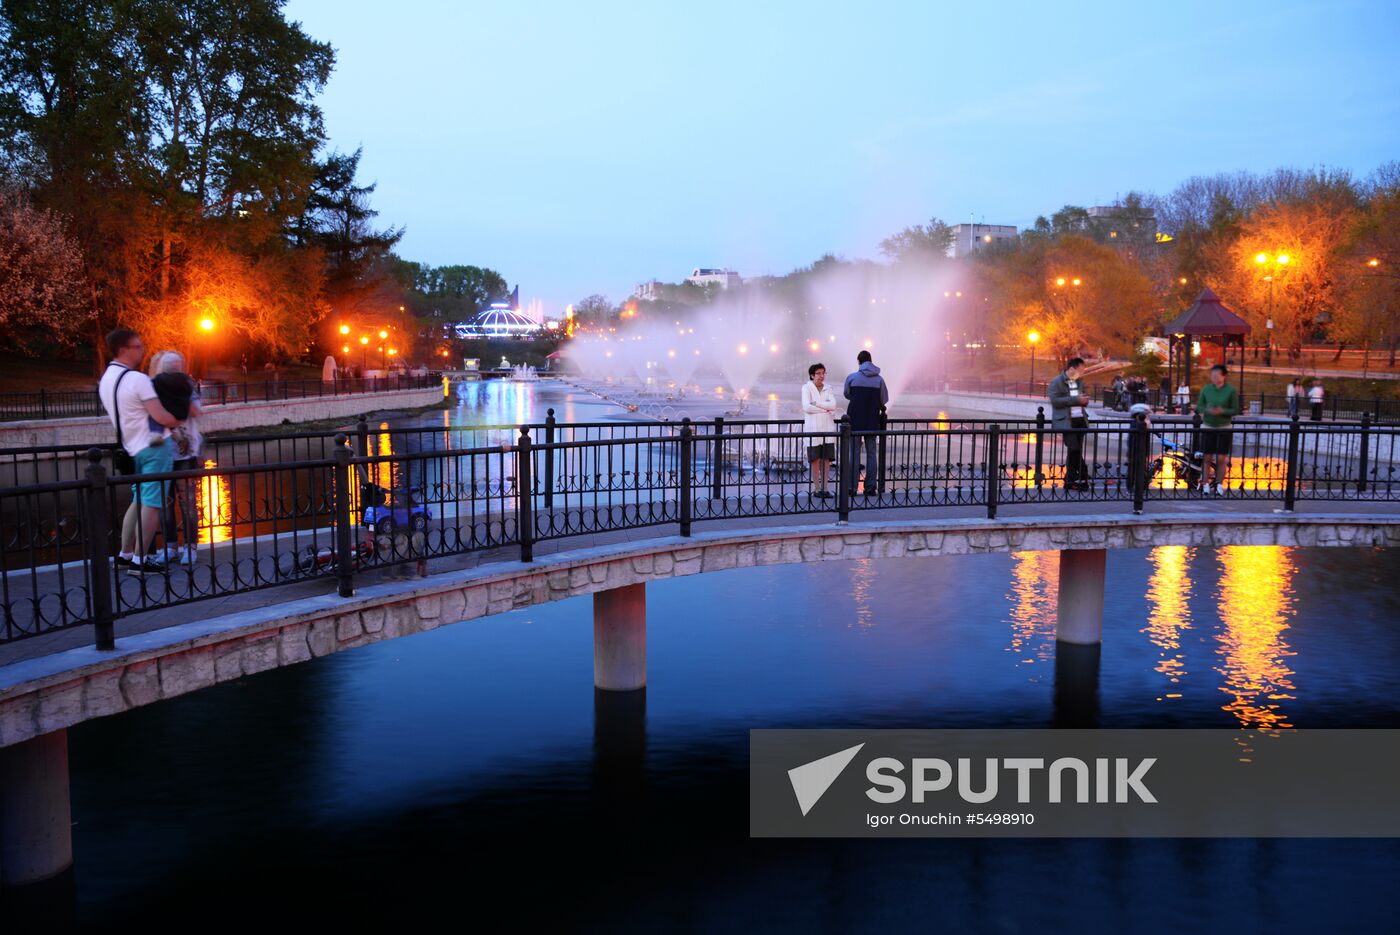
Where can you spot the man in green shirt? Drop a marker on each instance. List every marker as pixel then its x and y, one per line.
pixel 1218 404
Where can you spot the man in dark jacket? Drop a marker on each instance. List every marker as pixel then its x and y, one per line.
pixel 867 393
pixel 1068 414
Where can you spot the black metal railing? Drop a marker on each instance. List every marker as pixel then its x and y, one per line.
pixel 67 404
pixel 379 499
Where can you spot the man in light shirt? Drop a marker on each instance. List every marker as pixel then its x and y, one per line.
pixel 130 400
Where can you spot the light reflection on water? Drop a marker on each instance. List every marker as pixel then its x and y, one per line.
pixel 1256 607
pixel 1169 592
pixel 1035 589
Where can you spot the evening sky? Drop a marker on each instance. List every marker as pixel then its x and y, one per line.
pixel 585 147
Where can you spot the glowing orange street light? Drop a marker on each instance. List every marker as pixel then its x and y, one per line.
pixel 364 339
pixel 207 324
pixel 345 348
pixel 1183 280
pixel 1261 258
pixel 383 335
pixel 1283 259
pixel 1373 262
pixel 773 348
pixel 344 329
pixel 814 346
pixel 1060 281
pixel 1076 280
pixel 743 348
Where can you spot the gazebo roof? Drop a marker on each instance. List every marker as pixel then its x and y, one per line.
pixel 1208 315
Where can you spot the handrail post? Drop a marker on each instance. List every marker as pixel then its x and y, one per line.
pixel 993 462
pixel 1290 483
pixel 43 403
pixel 687 458
pixel 1365 452
pixel 1039 446
pixel 717 460
pixel 344 546
pixel 525 496
pixel 96 535
pixel 1137 461
pixel 549 460
pixel 845 473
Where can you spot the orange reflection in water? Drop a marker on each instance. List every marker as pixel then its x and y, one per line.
pixel 1035 590
pixel 1256 602
pixel 1169 591
pixel 862 581
pixel 1245 474
pixel 215 507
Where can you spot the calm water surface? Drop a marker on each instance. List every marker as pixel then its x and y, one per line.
pixel 470 771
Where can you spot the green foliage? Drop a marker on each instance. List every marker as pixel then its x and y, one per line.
pixel 1146 365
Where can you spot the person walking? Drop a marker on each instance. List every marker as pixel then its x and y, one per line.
pixel 1315 400
pixel 1294 391
pixel 1218 404
pixel 818 416
pixel 1069 416
pixel 179 394
pixel 867 392
pixel 130 399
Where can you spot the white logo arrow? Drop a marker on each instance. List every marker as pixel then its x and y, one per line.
pixel 811 780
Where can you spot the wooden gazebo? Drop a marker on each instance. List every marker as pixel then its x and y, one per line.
pixel 1208 317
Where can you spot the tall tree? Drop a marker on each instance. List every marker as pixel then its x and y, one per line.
pixel 922 243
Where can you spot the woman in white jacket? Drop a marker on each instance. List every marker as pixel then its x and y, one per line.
pixel 818 416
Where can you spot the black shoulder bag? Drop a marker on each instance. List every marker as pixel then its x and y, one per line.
pixel 122 462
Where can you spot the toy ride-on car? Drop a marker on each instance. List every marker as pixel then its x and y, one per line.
pixel 384 517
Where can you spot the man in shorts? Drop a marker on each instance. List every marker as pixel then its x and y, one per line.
pixel 1218 405
pixel 130 399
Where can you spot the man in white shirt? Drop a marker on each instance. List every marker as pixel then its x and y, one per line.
pixel 130 399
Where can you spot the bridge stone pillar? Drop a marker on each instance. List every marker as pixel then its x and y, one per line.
pixel 1080 618
pixel 36 824
pixel 620 638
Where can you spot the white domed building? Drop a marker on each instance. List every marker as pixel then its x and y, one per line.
pixel 500 321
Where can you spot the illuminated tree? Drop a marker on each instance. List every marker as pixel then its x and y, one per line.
pixel 43 296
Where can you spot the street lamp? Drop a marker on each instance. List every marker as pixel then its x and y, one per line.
pixel 1279 261
pixel 364 348
pixel 1034 338
pixel 344 329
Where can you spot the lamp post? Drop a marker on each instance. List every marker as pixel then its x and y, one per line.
pixel 1034 338
pixel 1279 261
pixel 364 347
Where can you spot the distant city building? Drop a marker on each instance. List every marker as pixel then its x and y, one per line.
pixel 724 278
pixel 1120 220
pixel 648 290
pixel 968 238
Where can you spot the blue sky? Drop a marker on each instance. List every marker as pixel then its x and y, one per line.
pixel 585 147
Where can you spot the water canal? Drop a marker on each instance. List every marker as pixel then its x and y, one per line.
pixel 467 770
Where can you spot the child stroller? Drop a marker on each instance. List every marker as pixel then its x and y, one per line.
pixel 1187 465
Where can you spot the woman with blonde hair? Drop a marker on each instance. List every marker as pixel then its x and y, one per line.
pixel 179 393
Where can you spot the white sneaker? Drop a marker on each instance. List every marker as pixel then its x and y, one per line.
pixel 190 556
pixel 1219 490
